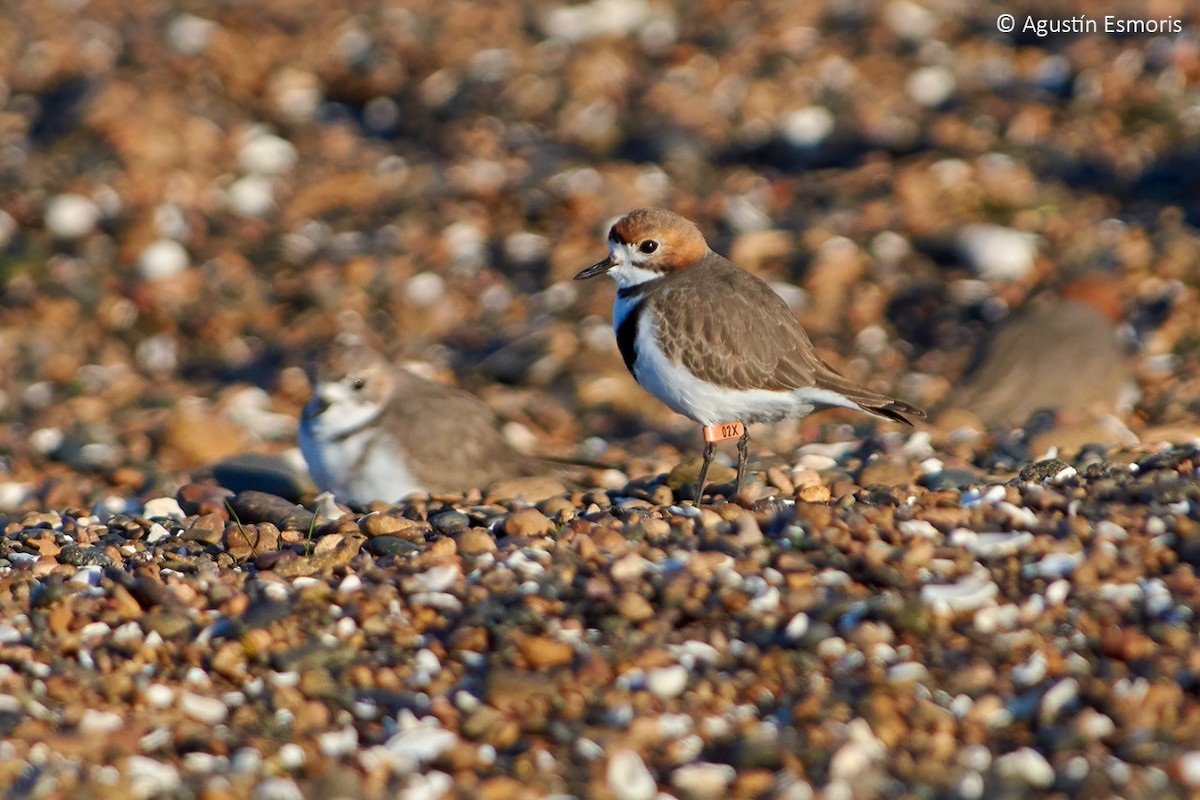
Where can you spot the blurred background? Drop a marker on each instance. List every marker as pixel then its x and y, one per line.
pixel 194 196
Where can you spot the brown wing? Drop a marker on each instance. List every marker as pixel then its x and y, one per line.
pixel 452 437
pixel 751 340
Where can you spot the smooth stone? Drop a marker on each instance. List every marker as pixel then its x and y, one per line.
pixel 391 546
pixel 448 523
pixel 260 472
pixel 163 508
pixel 533 489
pixel 527 522
pixel 686 473
pixel 629 778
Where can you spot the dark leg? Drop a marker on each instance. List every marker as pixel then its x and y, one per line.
pixel 743 457
pixel 709 448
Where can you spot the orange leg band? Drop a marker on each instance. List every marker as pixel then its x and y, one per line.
pixel 724 430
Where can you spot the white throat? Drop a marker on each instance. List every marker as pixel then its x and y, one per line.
pixel 626 272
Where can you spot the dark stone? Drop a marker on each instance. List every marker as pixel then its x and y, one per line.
pixel 259 472
pixel 948 479
pixel 391 546
pixel 79 556
pixel 449 523
pixel 1042 471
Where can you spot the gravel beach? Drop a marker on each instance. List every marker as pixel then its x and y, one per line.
pixel 194 198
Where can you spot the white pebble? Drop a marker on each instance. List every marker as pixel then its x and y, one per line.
pixel 421 744
pixel 667 682
pixel 291 756
pixel 766 602
pixel 163 259
pixel 434 579
pixel 968 594
pixel 150 777
pixel 267 154
pixel 997 253
pixel 913 528
pixel 251 196
pixel 910 21
pixel 1057 592
pixel 1018 516
pixel 277 788
pixel 832 648
pixel 1094 725
pixel 430 786
pixel 703 780
pixel 350 584
pixel 992 545
pixel 907 672
pixel 9 634
pixel 1053 565
pixel 442 601
pixel 807 127
pixel 158 695
pixel 14 493
pixel 629 778
pixel 338 743
pixel 424 289
pixel 71 216
pixel 1057 697
pixel 797 627
pixel 100 722
pixel 1027 766
pixel 695 650
pixel 858 754
pixel 1030 672
pixel 89 576
pixel 931 86
pixel 163 507
pixel 190 35
pixel 208 710
pixel 991 619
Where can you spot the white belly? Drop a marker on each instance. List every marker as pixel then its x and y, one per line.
pixel 710 404
pixel 358 469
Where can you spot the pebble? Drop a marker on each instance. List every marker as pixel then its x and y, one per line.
pixel 704 781
pixel 449 523
pixel 94 722
pixel 424 289
pixel 71 216
pixel 266 154
pixel 967 594
pixel 1026 766
pixel 807 127
pixel 190 35
pixel 996 253
pixel 391 546
pixel 251 195
pixel 667 682
pixel 278 788
pixel 421 745
pixel 208 710
pixel 544 653
pixel 150 777
pixel 931 86
pixel 163 508
pixel 628 777
pixel 162 260
pixel 527 522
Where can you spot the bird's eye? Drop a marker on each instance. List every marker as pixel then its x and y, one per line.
pixel 357 384
pixel 648 246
